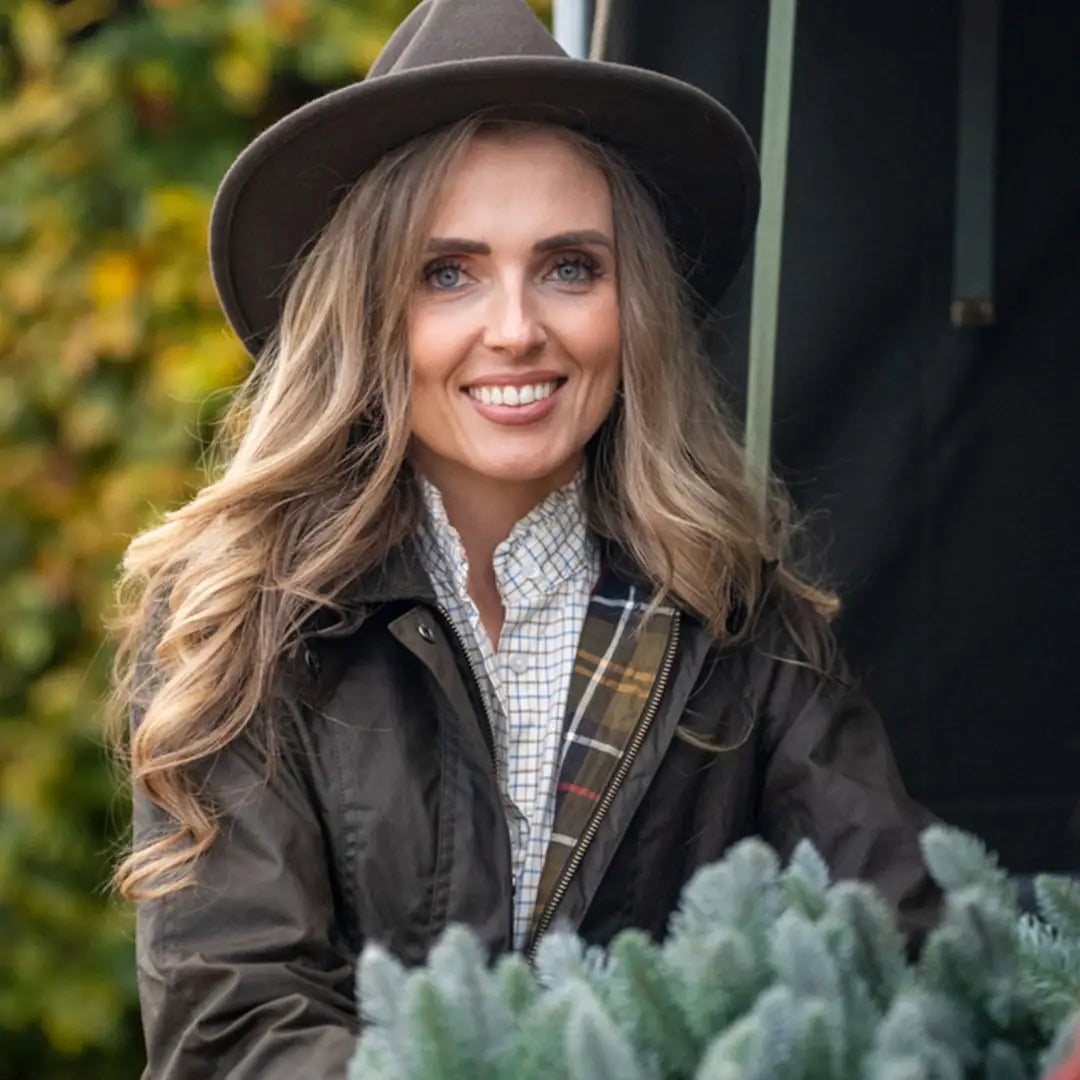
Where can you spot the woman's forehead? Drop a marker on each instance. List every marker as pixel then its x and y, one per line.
pixel 534 178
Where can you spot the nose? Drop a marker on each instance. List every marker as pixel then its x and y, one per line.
pixel 513 325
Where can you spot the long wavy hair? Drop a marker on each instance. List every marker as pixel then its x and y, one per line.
pixel 310 485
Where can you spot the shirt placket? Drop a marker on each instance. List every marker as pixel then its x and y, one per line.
pixel 514 662
pixel 499 702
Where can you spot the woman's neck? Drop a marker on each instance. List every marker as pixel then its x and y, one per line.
pixel 483 511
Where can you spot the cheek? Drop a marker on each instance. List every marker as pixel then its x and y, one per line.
pixel 423 351
pixel 598 347
pixel 427 398
pixel 432 359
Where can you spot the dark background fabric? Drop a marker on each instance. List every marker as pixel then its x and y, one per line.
pixel 940 466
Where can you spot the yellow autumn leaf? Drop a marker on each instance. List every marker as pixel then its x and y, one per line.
pixel 77 354
pixel 168 284
pixel 54 696
pixel 37 36
pixel 225 359
pixel 25 288
pixel 189 372
pixel 89 424
pixel 124 496
pixel 364 47
pixel 115 332
pixel 243 78
pixel 75 15
pixel 177 206
pixel 114 278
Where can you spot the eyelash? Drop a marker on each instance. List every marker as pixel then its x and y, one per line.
pixel 578 259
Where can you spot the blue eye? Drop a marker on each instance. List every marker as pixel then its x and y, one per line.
pixel 445 275
pixel 579 270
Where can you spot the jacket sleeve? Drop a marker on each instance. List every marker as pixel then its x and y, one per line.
pixel 245 974
pixel 830 776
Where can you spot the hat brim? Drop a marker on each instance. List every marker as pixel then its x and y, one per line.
pixel 282 190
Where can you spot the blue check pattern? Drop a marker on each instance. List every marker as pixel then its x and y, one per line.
pixel 546 571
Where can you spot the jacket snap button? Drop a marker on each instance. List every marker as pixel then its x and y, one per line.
pixel 426 632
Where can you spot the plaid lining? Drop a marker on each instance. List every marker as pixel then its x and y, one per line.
pixel 618 658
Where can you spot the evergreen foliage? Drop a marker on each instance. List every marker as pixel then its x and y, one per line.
pixel 766 974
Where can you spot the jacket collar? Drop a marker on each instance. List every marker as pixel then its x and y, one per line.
pixel 401 576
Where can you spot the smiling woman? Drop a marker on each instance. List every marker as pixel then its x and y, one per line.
pixel 479 621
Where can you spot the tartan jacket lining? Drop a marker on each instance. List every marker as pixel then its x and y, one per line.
pixel 618 659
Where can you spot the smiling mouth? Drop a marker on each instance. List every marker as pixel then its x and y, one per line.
pixel 514 396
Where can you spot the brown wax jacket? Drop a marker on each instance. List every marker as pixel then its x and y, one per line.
pixel 382 821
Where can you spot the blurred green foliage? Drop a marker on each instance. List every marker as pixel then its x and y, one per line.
pixel 117 120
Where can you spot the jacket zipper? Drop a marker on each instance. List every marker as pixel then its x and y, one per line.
pixel 604 805
pixel 490 741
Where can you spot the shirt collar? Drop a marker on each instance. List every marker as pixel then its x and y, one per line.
pixel 547 546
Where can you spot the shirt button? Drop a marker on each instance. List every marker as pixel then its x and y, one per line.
pixel 519 664
pixel 530 569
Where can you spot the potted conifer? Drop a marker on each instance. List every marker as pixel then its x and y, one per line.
pixel 767 973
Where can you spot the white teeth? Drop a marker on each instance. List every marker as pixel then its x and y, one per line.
pixel 512 395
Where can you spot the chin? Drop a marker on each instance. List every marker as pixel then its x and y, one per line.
pixel 524 469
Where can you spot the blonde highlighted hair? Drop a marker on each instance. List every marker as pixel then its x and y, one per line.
pixel 313 485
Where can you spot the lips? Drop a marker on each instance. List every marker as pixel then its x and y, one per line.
pixel 512 395
pixel 516 402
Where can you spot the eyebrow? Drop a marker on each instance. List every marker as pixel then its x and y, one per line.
pixel 446 245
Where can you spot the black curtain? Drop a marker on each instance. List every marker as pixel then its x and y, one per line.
pixel 940 467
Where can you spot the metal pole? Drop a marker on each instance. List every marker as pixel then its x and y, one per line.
pixel 570 21
pixel 976 153
pixel 765 297
pixel 600 26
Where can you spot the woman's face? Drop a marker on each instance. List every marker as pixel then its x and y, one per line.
pixel 514 323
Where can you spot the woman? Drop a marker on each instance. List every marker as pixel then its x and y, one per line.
pixel 479 622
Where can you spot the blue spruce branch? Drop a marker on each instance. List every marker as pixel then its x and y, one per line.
pixel 765 972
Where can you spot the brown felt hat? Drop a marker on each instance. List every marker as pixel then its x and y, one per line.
pixel 448 60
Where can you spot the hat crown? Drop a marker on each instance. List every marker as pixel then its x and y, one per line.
pixel 439 31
